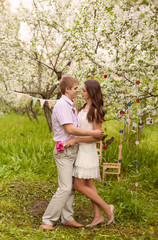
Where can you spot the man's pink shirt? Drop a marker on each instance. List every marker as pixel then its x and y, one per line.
pixel 64 112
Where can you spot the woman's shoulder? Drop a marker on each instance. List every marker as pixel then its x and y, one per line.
pixel 80 112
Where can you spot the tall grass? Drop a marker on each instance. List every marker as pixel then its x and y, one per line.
pixel 25 146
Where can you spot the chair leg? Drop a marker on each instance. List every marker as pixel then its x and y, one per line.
pixel 103 175
pixel 118 177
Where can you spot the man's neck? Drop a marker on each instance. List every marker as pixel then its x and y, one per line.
pixel 66 95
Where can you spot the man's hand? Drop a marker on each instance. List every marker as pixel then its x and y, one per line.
pixel 70 143
pixel 98 133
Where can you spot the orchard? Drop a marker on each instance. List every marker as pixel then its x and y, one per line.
pixel 113 42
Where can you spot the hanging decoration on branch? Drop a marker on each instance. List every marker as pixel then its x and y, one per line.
pixel 42 101
pixel 27 98
pixel 134 125
pixel 34 99
pixel 92 73
pixel 149 120
pixel 137 142
pixel 19 96
pixel 121 130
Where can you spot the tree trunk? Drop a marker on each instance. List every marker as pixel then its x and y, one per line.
pixel 48 115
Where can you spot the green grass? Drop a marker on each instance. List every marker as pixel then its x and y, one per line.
pixel 28 179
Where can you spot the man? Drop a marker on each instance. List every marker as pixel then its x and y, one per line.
pixel 64 119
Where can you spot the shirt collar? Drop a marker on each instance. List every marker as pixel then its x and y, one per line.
pixel 67 100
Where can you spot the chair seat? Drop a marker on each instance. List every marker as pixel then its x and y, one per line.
pixel 111 172
pixel 111 165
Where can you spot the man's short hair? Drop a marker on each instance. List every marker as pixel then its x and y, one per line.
pixel 67 82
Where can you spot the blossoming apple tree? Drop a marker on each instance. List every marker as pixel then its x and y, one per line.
pixel 114 42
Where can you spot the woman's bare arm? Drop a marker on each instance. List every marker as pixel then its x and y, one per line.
pixel 88 139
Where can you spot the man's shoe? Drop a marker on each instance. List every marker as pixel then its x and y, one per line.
pixel 74 224
pixel 47 227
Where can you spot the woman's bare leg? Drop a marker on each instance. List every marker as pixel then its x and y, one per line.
pixel 97 211
pixel 80 186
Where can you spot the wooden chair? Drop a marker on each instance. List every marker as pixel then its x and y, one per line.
pixel 115 166
pixel 99 146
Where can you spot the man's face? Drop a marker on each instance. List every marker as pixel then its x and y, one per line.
pixel 72 93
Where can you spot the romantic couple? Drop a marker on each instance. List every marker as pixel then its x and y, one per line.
pixel 77 160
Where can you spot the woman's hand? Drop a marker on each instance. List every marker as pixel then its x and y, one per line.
pixel 98 133
pixel 70 142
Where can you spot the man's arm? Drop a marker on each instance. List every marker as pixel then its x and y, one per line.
pixel 88 139
pixel 71 129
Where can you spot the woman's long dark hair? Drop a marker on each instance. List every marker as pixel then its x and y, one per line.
pixel 96 110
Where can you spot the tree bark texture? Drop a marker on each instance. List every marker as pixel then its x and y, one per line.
pixel 48 115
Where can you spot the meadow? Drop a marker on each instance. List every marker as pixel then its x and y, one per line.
pixel 28 179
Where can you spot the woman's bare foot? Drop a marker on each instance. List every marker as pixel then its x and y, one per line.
pixel 96 221
pixel 111 218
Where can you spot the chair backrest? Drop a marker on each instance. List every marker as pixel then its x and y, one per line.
pixel 99 150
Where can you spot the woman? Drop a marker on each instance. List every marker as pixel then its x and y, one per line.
pixel 86 167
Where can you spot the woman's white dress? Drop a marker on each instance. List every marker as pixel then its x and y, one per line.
pixel 87 162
